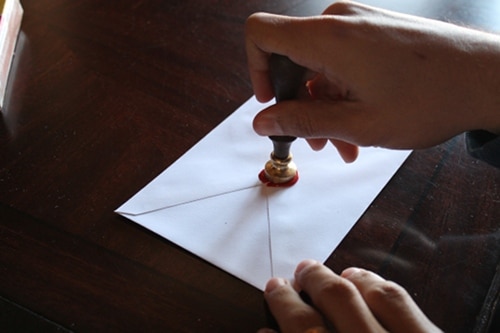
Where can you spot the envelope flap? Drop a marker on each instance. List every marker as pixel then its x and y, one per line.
pixel 205 167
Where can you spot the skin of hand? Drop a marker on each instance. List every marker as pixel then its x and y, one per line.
pixel 376 78
pixel 355 301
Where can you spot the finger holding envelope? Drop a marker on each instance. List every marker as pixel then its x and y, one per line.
pixel 337 298
pixel 335 302
pixel 355 301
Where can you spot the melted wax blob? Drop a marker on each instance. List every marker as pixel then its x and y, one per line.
pixel 291 182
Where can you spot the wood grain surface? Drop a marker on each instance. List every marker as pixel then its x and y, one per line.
pixel 104 95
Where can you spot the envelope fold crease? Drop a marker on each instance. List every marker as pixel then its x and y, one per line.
pixel 211 203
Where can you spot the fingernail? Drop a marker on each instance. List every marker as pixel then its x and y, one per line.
pixel 274 283
pixel 304 264
pixel 349 272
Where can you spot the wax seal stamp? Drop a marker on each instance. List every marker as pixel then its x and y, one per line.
pixel 280 170
pixel 287 78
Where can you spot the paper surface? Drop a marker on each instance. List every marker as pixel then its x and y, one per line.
pixel 211 202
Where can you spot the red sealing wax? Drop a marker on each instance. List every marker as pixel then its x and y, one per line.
pixel 291 182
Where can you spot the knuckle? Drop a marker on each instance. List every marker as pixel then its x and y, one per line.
pixel 251 22
pixel 341 8
pixel 386 292
pixel 257 22
pixel 340 289
pixel 320 279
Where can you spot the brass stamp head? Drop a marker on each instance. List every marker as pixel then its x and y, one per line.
pixel 279 171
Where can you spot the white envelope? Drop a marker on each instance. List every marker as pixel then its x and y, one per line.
pixel 211 202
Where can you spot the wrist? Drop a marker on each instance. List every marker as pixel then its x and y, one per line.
pixel 488 86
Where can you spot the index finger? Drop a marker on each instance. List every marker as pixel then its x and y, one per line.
pixel 259 49
pixel 269 33
pixel 299 38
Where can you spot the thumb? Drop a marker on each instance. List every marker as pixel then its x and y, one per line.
pixel 310 119
pixel 313 120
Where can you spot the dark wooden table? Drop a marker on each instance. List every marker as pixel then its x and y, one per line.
pixel 104 95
